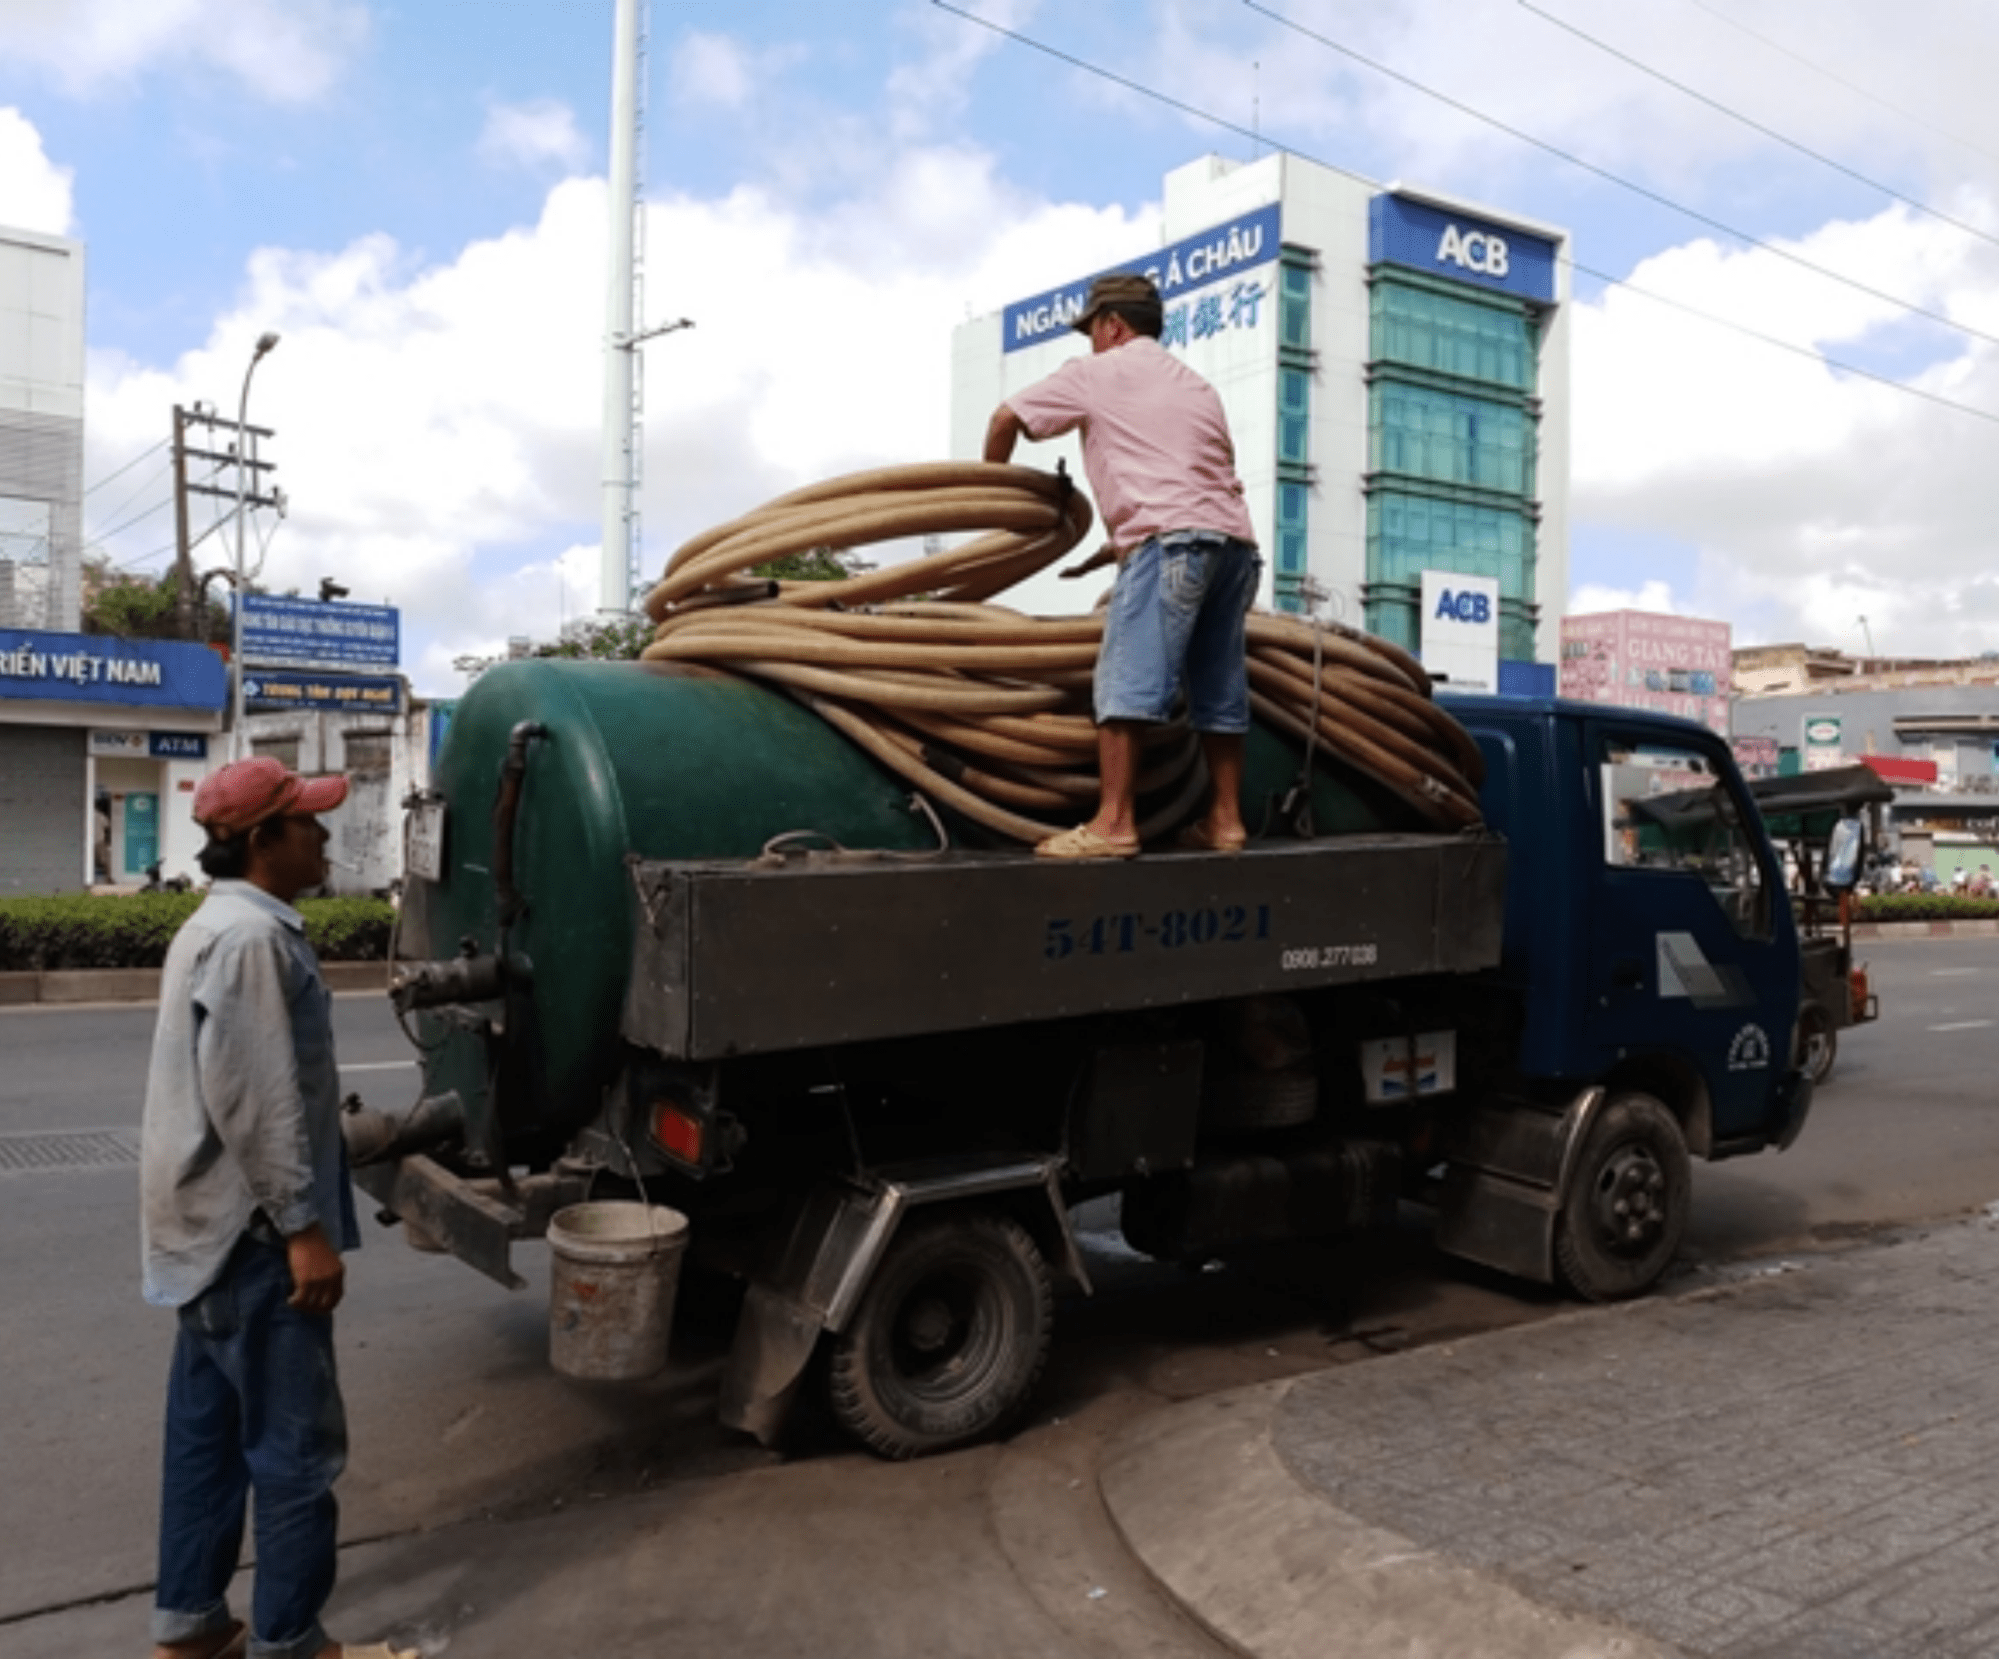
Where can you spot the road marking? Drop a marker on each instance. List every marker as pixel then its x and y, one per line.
pixel 1960 1025
pixel 377 1066
pixel 1948 973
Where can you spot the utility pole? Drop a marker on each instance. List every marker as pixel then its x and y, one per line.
pixel 621 383
pixel 183 553
pixel 190 602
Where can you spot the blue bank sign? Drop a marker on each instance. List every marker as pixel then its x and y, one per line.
pixel 1403 231
pixel 1199 262
pixel 41 665
pixel 320 634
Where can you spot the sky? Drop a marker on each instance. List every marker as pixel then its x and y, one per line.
pixel 1786 346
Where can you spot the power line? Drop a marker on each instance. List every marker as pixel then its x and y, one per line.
pixel 1140 88
pixel 1754 125
pixel 1605 277
pixel 92 489
pixel 1635 188
pixel 1840 80
pixel 149 484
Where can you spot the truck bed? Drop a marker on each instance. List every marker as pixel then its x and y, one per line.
pixel 740 959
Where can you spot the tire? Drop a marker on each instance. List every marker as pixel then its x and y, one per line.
pixel 1625 1205
pixel 949 1340
pixel 1818 1042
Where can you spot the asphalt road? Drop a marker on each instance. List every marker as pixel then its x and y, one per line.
pixel 457 1416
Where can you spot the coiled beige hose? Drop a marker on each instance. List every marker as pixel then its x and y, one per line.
pixel 987 710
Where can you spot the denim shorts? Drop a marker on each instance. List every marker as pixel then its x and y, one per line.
pixel 1176 616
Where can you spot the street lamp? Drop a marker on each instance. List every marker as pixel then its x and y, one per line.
pixel 238 742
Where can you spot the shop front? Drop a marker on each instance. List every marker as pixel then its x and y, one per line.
pixel 102 742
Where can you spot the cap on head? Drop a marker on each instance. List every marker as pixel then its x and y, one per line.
pixel 245 793
pixel 1135 296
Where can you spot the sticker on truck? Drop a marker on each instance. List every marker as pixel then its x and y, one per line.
pixel 1397 1068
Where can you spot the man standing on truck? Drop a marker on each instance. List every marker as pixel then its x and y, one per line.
pixel 1161 462
pixel 244 1211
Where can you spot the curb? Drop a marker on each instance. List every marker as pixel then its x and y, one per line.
pixel 1938 928
pixel 142 985
pixel 1202 1498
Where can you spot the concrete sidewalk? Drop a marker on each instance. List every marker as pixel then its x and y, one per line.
pixel 1803 1459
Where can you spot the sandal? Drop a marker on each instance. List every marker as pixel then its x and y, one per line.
pixel 1084 843
pixel 1198 838
pixel 229 1642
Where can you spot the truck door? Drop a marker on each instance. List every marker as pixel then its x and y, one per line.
pixel 1688 951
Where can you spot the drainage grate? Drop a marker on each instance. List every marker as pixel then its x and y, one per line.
pixel 67 1150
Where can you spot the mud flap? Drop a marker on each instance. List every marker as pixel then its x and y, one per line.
pixel 1509 1164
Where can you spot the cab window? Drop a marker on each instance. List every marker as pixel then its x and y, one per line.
pixel 1667 809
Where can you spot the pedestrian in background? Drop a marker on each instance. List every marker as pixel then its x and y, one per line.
pixel 245 1211
pixel 1161 462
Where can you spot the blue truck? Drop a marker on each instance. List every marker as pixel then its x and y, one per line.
pixel 879 1077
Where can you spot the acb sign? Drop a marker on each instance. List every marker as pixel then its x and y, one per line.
pixel 1468 250
pixel 1461 630
pixel 1465 605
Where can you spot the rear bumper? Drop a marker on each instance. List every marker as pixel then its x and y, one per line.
pixel 476 1221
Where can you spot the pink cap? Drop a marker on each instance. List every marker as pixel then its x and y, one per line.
pixel 245 793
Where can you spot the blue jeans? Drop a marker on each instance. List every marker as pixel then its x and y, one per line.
pixel 253 1402
pixel 1177 615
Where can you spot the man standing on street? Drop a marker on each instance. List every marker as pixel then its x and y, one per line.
pixel 245 1209
pixel 1161 463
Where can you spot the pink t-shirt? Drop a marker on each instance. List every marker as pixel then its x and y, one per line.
pixel 1155 441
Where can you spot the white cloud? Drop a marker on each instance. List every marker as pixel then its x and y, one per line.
pixel 34 192
pixel 1813 496
pixel 1651 595
pixel 717 72
pixel 537 133
pixel 438 425
pixel 283 50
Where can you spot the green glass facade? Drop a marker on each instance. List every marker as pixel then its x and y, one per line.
pixel 1296 363
pixel 1453 441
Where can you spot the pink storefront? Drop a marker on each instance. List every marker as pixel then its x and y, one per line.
pixel 1646 660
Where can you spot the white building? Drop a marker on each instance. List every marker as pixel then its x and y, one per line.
pixel 1395 368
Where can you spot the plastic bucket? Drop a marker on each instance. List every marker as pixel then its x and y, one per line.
pixel 614 1270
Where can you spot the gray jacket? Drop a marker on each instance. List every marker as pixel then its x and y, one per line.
pixel 242 1096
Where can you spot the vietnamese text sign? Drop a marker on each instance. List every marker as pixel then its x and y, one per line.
pixel 99 668
pixel 350 693
pixel 320 634
pixel 1233 249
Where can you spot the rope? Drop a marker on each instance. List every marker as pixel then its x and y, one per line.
pixel 986 710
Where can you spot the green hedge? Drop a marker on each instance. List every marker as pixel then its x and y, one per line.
pixel 1921 907
pixel 132 930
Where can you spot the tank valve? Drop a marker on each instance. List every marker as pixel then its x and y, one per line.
pixel 471 979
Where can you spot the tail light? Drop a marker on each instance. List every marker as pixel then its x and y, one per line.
pixel 679 1133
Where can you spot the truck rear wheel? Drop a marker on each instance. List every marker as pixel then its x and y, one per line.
pixel 950 1339
pixel 1625 1205
pixel 1818 1043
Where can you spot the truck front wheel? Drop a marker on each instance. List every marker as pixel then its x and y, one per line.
pixel 1625 1205
pixel 950 1339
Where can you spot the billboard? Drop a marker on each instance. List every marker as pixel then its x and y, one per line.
pixel 287 632
pixel 1649 660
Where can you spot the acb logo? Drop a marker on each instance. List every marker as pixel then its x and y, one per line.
pixel 1464 607
pixel 1473 251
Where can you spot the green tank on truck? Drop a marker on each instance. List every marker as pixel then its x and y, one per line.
pixel 668 936
pixel 630 761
